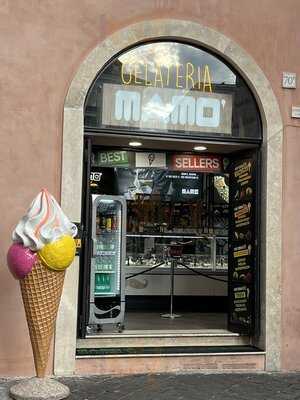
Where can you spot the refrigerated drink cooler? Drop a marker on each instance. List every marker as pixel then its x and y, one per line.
pixel 107 284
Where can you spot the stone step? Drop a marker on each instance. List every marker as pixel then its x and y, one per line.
pixel 161 339
pixel 230 359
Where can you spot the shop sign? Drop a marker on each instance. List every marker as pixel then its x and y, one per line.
pixel 110 159
pixel 154 160
pixel 183 76
pixel 166 109
pixel 201 163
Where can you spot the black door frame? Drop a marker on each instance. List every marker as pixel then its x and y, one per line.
pixel 84 275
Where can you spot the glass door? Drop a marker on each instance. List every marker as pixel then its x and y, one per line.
pixel 107 298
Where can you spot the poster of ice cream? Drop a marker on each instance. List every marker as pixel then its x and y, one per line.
pixel 150 160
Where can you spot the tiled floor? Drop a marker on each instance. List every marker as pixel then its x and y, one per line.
pixel 135 321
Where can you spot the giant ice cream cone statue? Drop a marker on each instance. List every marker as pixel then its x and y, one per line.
pixel 43 247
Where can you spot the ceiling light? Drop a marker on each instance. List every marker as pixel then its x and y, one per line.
pixel 200 148
pixel 135 144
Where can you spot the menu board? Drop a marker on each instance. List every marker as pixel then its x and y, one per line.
pixel 240 305
pixel 242 238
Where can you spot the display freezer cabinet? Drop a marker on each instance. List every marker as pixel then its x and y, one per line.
pixel 107 285
pixel 206 254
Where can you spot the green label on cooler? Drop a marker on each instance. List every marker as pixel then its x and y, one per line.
pixel 103 283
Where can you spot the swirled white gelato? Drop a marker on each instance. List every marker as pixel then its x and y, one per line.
pixel 44 223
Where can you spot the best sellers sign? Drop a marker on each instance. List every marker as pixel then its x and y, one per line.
pixel 166 109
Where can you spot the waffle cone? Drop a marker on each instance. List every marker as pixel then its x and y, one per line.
pixel 41 293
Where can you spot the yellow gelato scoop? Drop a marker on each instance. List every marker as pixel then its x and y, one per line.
pixel 59 254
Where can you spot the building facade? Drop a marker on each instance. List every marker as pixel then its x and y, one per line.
pixel 51 55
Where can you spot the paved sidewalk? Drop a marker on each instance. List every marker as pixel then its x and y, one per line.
pixel 260 386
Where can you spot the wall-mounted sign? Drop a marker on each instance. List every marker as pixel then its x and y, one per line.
pixel 202 163
pixel 152 160
pixel 166 109
pixel 240 304
pixel 111 158
pixel 289 80
pixel 295 112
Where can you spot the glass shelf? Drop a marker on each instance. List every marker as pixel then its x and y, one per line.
pixel 207 253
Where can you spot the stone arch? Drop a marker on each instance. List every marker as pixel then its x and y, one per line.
pixel 73 130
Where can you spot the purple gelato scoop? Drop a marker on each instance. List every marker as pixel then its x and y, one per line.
pixel 20 260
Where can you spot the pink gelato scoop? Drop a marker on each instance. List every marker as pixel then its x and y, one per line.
pixel 20 260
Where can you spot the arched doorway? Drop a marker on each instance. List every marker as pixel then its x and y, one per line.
pixel 72 167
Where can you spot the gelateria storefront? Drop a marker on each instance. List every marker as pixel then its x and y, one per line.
pixel 169 262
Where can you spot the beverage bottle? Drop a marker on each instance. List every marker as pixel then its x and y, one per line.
pixel 105 241
pixel 97 225
pixel 108 223
pixel 114 222
pixel 97 282
pixel 102 222
pixel 112 244
pixel 112 263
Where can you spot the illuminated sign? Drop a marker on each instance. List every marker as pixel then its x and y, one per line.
pixel 110 158
pixel 202 163
pixel 167 109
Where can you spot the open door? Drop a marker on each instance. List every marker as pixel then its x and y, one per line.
pixel 244 242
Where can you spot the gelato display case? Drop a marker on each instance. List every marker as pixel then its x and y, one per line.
pixel 203 254
pixel 107 297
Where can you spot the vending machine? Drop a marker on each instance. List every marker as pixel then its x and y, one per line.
pixel 107 279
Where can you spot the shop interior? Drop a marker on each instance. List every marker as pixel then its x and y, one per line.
pixel 176 237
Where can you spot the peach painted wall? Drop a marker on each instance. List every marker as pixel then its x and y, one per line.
pixel 291 251
pixel 42 44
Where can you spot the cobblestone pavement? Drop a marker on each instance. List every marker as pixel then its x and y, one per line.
pixel 261 386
